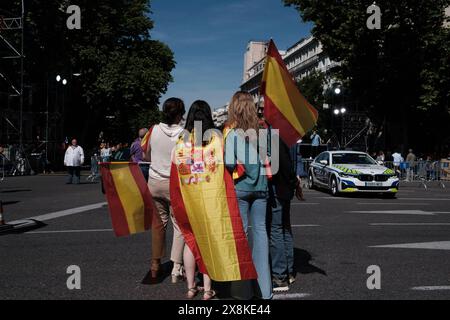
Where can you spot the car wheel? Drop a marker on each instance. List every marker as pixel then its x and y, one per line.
pixel 311 185
pixel 334 187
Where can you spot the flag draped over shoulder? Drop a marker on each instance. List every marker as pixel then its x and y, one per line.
pixel 285 108
pixel 129 199
pixel 206 209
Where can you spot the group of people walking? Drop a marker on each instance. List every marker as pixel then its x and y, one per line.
pixel 264 201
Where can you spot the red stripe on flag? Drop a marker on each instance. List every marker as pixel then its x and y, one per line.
pixel 118 217
pixel 273 52
pixel 246 265
pixel 150 210
pixel 288 133
pixel 182 218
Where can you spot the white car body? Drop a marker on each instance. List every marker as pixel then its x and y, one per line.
pixel 361 174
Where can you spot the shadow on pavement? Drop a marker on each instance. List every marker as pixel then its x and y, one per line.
pixel 302 259
pixel 18 229
pixel 6 203
pixel 16 191
pixel 166 270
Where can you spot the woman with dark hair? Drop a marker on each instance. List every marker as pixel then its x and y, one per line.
pixel 206 208
pixel 199 118
pixel 162 140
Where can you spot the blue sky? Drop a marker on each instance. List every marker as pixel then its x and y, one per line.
pixel 209 38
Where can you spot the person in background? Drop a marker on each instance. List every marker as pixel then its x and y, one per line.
pixel 316 141
pixel 381 156
pixel 159 153
pixel 73 160
pixel 398 159
pixel 105 152
pixel 137 153
pixel 411 160
pixel 95 159
pixel 252 188
pixel 284 184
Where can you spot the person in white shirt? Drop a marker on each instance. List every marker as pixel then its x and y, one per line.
pixel 398 159
pixel 73 160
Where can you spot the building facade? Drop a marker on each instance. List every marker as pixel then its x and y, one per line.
pixel 303 58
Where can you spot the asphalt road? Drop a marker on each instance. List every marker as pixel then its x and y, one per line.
pixel 336 240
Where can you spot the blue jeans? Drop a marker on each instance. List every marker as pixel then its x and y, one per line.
pixel 253 208
pixel 281 240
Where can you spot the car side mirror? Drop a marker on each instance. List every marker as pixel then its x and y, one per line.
pixel 324 162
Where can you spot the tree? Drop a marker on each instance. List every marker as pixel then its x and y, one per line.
pixel 121 71
pixel 400 73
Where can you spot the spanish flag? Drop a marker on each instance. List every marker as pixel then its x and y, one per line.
pixel 285 108
pixel 130 202
pixel 206 209
pixel 146 139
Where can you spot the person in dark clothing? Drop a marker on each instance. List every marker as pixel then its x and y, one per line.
pixel 282 188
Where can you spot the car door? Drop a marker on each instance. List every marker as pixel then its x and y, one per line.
pixel 326 170
pixel 317 168
pixel 320 168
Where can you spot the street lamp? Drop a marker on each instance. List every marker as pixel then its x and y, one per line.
pixel 341 112
pixel 64 82
pixel 58 78
pixel 337 91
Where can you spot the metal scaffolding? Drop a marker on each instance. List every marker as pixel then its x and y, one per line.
pixel 14 51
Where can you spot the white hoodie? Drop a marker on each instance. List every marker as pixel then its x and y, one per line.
pixel 162 142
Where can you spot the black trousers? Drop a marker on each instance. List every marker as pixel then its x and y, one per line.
pixel 74 175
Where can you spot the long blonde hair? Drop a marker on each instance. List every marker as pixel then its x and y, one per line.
pixel 242 112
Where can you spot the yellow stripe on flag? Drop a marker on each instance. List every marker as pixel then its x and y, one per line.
pixel 130 197
pixel 290 102
pixel 208 213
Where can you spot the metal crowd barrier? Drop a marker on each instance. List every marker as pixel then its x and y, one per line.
pixel 422 171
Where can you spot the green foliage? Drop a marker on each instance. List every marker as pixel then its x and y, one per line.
pixel 401 73
pixel 123 70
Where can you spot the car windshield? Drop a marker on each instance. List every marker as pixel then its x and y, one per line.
pixel 352 158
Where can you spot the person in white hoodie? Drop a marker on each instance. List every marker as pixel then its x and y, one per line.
pixel 73 160
pixel 163 139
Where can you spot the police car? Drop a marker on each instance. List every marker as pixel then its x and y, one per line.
pixel 349 171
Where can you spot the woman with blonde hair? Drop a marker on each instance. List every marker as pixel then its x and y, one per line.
pixel 243 150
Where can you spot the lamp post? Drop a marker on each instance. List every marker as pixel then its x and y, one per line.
pixel 341 112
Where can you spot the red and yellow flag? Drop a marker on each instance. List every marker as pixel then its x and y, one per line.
pixel 285 108
pixel 129 199
pixel 206 209
pixel 146 139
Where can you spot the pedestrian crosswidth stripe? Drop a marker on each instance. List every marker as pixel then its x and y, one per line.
pixel 64 213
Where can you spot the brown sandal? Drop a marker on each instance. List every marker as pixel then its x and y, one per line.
pixel 192 293
pixel 209 295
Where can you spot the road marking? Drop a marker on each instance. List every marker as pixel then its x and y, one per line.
pixel 305 226
pixel 71 231
pixel 440 245
pixel 431 288
pixel 64 213
pixel 291 296
pixel 424 199
pixel 393 204
pixel 410 224
pixel 405 212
